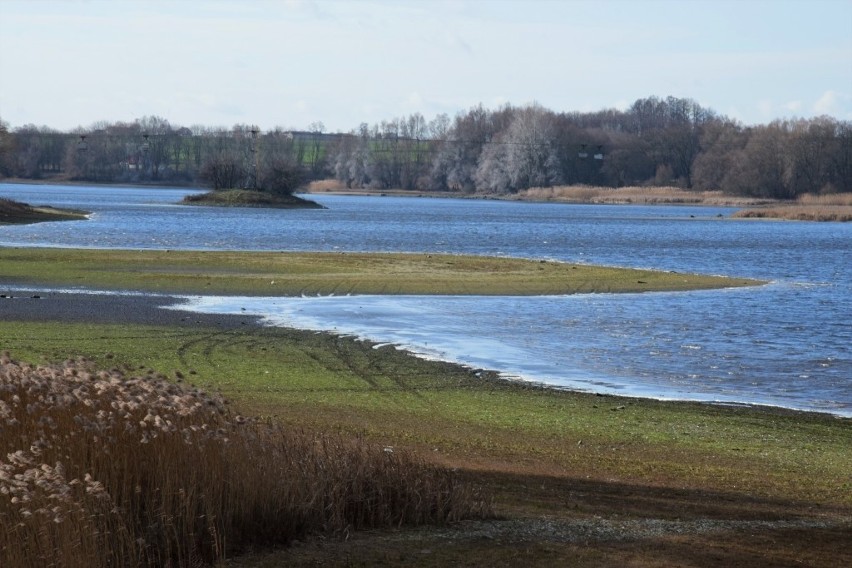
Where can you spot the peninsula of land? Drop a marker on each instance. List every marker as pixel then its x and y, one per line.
pixel 15 213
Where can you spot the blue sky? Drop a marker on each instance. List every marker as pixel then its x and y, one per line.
pixel 69 63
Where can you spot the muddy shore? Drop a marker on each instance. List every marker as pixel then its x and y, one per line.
pixel 547 516
pixel 146 309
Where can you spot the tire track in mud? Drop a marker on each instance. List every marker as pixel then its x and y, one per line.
pixel 211 343
pixel 208 342
pixel 363 363
pixel 373 366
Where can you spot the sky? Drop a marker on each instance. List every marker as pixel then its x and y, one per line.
pixel 292 63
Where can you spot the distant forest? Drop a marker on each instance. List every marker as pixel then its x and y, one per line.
pixel 656 142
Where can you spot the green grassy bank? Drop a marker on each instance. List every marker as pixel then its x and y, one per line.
pixel 288 273
pixel 466 419
pixel 555 462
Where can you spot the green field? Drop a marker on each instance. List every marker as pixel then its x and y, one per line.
pixel 344 385
pixel 290 273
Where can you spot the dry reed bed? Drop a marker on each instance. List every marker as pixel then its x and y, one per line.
pixel 808 207
pixel 635 195
pixel 98 468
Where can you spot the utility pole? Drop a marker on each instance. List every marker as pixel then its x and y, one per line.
pixel 145 146
pixel 82 153
pixel 251 180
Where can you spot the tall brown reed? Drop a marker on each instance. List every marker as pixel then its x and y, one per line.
pixel 101 469
pixel 633 195
pixel 807 207
pixel 842 199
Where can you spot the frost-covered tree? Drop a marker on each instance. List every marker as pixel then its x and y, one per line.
pixel 532 153
pixel 493 174
pixel 525 155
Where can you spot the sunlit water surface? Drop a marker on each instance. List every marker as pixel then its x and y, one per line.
pixel 787 343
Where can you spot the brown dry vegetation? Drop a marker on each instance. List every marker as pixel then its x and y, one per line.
pixel 572 194
pixel 325 185
pixel 635 195
pixel 808 207
pixel 105 469
pixel 335 187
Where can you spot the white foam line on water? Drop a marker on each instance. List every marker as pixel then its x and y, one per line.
pixel 86 291
pixel 476 353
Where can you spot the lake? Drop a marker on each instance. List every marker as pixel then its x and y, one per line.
pixel 788 343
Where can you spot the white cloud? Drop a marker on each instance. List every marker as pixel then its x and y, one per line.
pixel 833 103
pixel 414 100
pixel 765 107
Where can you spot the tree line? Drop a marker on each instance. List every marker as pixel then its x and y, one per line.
pixel 151 150
pixel 654 142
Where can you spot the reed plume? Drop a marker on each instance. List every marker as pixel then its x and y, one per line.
pixel 98 468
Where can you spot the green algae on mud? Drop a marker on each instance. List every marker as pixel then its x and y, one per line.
pixel 311 273
pixel 469 418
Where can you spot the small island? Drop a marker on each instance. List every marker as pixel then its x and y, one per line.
pixel 265 180
pixel 250 198
pixel 16 213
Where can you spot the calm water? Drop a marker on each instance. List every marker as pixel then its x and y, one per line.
pixel 787 343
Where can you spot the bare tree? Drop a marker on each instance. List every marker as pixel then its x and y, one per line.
pixel 758 169
pixel 456 162
pixel 223 172
pixel 809 154
pixel 719 143
pixel 531 151
pixel 493 174
pixel 7 143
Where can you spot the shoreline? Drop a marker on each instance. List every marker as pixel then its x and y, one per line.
pixel 748 208
pixel 552 461
pixel 35 305
pixel 577 195
pixel 526 382
pixel 153 185
pixel 610 386
pixel 18 213
pixel 661 193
